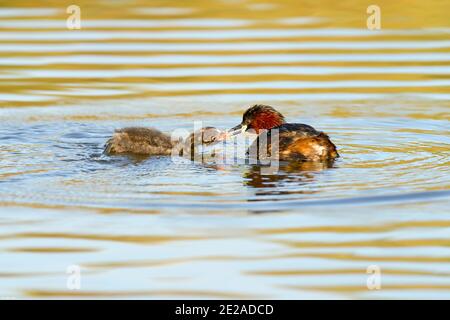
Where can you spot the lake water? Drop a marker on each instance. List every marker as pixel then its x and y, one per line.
pixel 155 228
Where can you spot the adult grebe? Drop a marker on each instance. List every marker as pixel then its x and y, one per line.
pixel 297 142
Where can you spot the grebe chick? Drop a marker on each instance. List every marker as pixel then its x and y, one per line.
pixel 297 142
pixel 149 141
pixel 206 136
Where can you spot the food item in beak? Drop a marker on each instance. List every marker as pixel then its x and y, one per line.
pixel 237 130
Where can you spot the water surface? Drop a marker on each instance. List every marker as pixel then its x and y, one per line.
pixel 157 228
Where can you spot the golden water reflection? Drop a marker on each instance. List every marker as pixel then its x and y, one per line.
pixel 154 228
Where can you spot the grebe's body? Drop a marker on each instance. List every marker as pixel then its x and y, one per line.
pixel 149 141
pixel 296 142
pixel 137 140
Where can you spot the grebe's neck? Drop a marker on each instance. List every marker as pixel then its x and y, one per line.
pixel 267 121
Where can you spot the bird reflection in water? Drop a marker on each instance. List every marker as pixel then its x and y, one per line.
pixel 288 178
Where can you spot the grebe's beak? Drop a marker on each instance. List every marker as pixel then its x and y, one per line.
pixel 237 130
pixel 222 136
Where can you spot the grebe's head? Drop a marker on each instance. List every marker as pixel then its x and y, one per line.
pixel 206 136
pixel 258 117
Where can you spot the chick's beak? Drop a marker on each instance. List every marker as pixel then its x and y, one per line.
pixel 222 136
pixel 237 130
